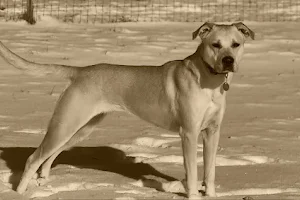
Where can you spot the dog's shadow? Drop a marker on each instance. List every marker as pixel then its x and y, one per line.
pixel 101 158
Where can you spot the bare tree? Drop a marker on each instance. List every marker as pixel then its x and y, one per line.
pixel 28 15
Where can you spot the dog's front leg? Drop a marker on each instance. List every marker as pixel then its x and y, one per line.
pixel 211 137
pixel 189 141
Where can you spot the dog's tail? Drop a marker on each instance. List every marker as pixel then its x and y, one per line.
pixel 37 69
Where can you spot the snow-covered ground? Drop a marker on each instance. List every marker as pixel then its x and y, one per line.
pixel 126 158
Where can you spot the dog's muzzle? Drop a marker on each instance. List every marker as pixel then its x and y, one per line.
pixel 228 63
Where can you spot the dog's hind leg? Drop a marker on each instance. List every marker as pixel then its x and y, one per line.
pixel 81 134
pixel 74 109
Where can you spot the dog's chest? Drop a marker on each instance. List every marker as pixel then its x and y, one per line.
pixel 213 112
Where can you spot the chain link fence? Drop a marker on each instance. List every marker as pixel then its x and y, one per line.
pixel 108 11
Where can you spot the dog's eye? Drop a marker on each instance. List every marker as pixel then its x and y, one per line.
pixel 217 45
pixel 235 45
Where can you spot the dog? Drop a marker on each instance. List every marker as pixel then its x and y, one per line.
pixel 186 96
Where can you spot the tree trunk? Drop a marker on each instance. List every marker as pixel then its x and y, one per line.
pixel 29 13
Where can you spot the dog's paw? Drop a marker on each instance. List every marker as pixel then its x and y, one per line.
pixel 41 181
pixel 194 196
pixel 210 192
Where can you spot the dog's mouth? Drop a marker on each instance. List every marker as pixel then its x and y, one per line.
pixel 229 70
pixel 220 69
pixel 226 68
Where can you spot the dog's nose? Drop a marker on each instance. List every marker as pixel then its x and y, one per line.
pixel 228 63
pixel 227 60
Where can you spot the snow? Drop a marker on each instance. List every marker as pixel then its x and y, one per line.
pixel 126 158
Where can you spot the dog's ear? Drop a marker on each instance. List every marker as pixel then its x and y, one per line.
pixel 204 30
pixel 244 30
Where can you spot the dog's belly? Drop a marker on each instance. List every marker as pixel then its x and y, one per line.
pixel 160 116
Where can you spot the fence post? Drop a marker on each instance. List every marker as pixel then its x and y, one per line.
pixel 28 15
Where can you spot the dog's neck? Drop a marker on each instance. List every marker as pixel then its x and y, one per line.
pixel 205 71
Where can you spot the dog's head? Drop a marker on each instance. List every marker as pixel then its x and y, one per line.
pixel 223 45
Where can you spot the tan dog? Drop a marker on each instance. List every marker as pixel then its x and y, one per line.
pixel 187 96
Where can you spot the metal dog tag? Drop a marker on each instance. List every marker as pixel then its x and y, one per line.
pixel 226 86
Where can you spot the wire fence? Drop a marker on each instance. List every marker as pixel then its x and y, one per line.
pixel 107 11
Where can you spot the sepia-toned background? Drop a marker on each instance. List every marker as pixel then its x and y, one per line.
pixel 125 157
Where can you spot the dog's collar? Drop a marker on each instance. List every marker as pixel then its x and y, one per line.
pixel 213 71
